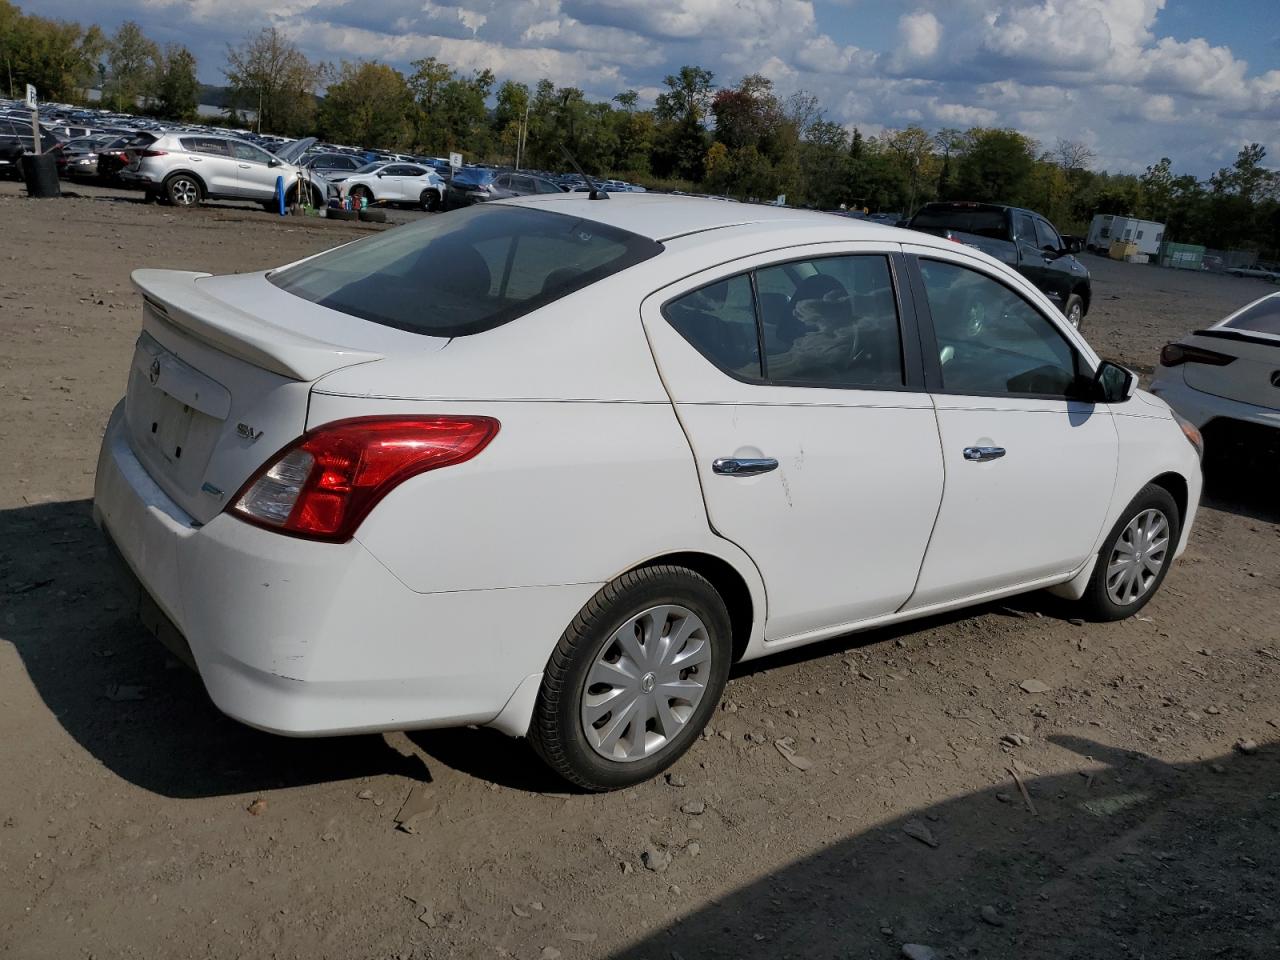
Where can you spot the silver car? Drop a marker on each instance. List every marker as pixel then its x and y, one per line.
pixel 185 168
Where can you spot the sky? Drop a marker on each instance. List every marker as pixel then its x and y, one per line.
pixel 1194 80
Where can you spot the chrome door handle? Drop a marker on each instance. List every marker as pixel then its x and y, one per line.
pixel 740 467
pixel 982 454
pixel 244 166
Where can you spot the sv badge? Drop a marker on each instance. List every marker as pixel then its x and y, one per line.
pixel 246 432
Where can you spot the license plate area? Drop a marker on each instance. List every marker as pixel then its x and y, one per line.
pixel 175 415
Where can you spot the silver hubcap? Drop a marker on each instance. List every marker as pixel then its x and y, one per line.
pixel 1074 316
pixel 184 192
pixel 646 683
pixel 1138 557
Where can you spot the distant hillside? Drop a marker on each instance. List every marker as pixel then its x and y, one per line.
pixel 214 96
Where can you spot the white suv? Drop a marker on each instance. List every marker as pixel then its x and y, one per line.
pixel 185 168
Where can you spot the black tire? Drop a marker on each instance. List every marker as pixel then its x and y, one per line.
pixel 1074 305
pixel 183 190
pixel 1097 602
pixel 430 201
pixel 337 214
pixel 557 733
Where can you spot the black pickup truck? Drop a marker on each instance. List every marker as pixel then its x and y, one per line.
pixel 1021 238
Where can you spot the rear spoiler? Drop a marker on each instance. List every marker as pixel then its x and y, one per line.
pixel 177 299
pixel 1243 336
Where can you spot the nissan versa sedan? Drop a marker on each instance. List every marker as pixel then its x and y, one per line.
pixel 553 465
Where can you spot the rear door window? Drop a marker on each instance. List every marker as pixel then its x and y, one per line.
pixel 825 322
pixel 837 327
pixel 469 271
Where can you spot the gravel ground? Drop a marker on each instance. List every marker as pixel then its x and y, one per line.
pixel 136 821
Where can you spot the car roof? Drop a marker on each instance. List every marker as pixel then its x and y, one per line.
pixel 665 217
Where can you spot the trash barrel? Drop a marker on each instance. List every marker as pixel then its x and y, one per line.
pixel 40 171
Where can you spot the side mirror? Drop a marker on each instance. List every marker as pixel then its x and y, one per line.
pixel 379 174
pixel 1113 383
pixel 273 162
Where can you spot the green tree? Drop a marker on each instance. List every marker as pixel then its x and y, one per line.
pixel 368 104
pixel 509 115
pixel 426 82
pixel 269 74
pixel 59 58
pixel 682 140
pixel 176 88
pixel 996 166
pixel 132 62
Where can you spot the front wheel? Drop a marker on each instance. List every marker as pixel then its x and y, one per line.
pixel 634 678
pixel 1135 556
pixel 1073 310
pixel 361 193
pixel 430 201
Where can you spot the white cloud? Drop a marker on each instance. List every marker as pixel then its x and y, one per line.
pixel 1105 71
pixel 921 32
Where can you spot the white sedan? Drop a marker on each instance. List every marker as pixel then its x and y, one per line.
pixel 1226 379
pixel 552 465
pixel 397 183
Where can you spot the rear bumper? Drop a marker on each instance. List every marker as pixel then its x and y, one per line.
pixel 307 639
pixel 1200 407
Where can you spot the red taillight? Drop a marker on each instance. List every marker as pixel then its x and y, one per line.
pixel 1174 354
pixel 325 483
pixel 153 153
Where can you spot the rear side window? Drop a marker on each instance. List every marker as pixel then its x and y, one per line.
pixel 211 145
pixel 467 271
pixel 719 320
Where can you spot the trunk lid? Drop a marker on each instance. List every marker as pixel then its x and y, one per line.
pixel 215 388
pixel 1254 377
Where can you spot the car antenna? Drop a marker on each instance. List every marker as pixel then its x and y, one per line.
pixel 596 193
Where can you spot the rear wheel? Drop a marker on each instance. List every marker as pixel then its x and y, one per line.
pixel 1135 556
pixel 183 190
pixel 633 679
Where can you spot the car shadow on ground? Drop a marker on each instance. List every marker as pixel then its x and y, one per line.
pixel 1124 857
pixel 1247 489
pixel 121 696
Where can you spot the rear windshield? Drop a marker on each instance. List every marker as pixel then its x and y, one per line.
pixel 467 271
pixel 983 223
pixel 1261 317
pixel 474 175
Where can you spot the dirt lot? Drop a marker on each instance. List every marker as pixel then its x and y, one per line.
pixel 127 801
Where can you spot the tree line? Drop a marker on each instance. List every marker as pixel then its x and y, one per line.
pixel 743 140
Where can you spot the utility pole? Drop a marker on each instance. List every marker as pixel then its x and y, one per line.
pixel 522 134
